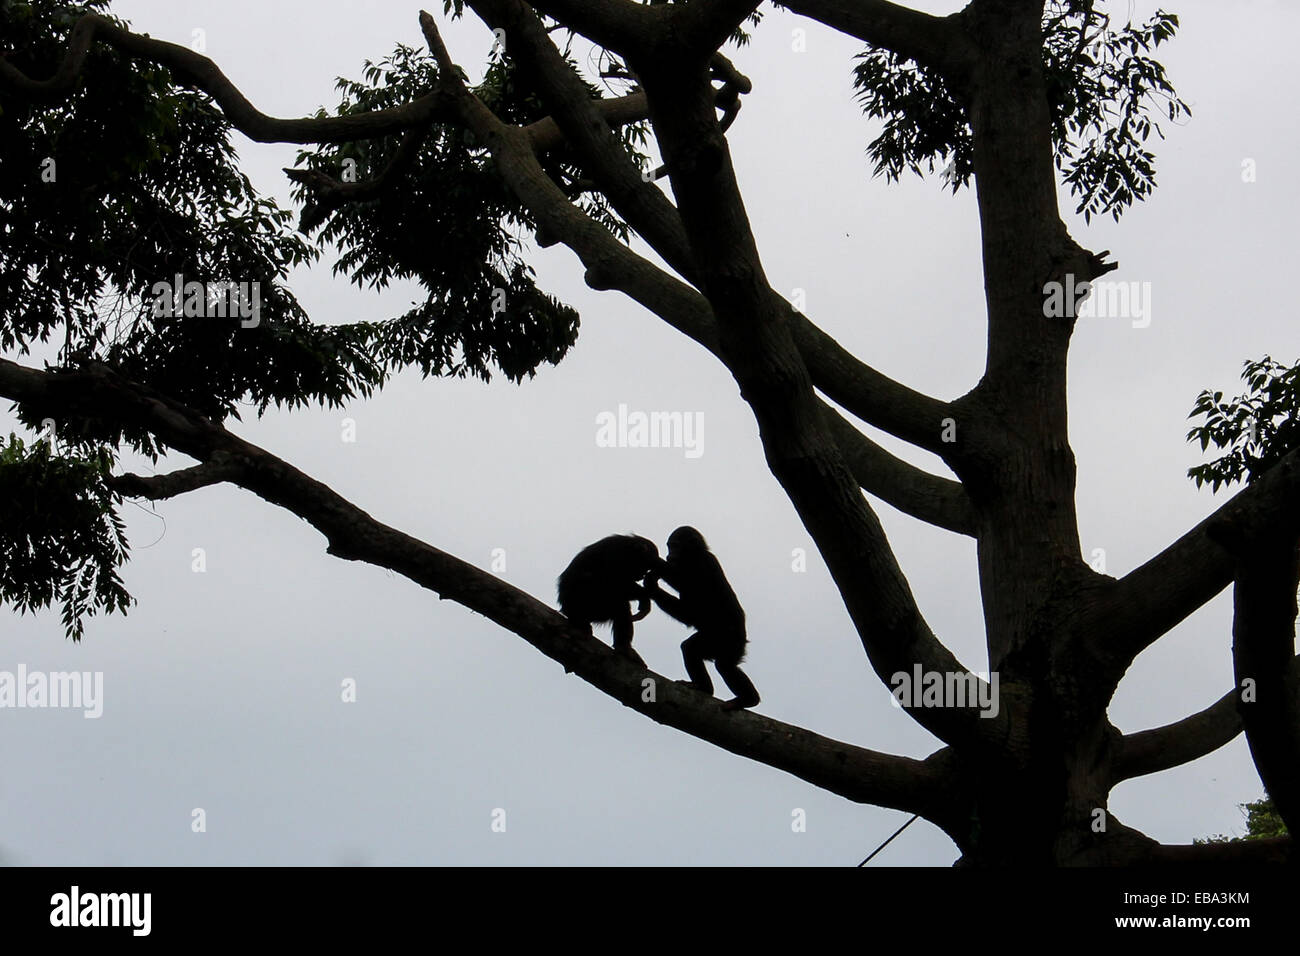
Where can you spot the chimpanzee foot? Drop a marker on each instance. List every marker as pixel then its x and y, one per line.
pixel 737 704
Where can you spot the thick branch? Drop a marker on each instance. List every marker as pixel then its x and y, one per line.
pixel 1150 600
pixel 934 500
pixel 869 394
pixel 853 772
pixel 1162 748
pixel 932 41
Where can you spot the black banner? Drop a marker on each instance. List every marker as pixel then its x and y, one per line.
pixel 330 905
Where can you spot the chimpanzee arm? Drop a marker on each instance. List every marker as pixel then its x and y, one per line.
pixel 669 603
pixel 643 600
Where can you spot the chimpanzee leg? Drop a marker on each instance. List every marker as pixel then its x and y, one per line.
pixel 623 634
pixel 739 684
pixel 694 649
pixel 622 623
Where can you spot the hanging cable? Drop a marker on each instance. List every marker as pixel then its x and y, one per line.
pixel 890 840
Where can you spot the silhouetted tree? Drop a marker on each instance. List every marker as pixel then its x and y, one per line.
pixel 419 175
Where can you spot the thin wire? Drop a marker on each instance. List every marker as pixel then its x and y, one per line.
pixel 151 512
pixel 890 840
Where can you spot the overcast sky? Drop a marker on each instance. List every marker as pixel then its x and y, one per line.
pixel 222 689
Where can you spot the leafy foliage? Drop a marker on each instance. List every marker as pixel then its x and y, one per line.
pixel 129 182
pixel 1262 822
pixel 1257 428
pixel 924 123
pixel 62 539
pixel 1101 86
pixel 452 225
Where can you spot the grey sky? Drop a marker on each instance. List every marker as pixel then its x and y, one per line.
pixel 222 689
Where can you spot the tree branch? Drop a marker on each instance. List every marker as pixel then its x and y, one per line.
pixel 617 111
pixel 868 393
pixel 197 71
pixel 1150 600
pixel 934 500
pixel 935 42
pixel 1162 748
pixel 157 487
pixel 856 773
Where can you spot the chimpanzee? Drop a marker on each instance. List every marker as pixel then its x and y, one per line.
pixel 603 579
pixel 707 603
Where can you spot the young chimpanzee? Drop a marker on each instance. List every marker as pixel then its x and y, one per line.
pixel 603 579
pixel 707 603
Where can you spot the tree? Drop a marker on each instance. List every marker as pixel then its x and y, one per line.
pixel 419 175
